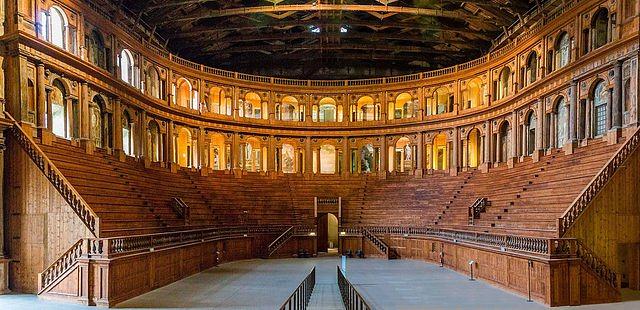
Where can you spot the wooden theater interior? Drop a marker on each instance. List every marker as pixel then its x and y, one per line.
pixel 162 153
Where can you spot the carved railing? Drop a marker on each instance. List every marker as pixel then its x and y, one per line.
pixel 328 201
pixel 379 244
pixel 280 240
pixel 287 234
pixel 351 298
pixel 582 202
pixel 299 299
pixel 181 208
pixel 59 182
pixel 59 267
pixel 117 246
pixel 546 248
pixel 570 247
pixel 478 206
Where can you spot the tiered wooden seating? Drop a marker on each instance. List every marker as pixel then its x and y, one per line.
pixel 528 199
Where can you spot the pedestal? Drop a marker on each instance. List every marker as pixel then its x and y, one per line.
pixel 4 276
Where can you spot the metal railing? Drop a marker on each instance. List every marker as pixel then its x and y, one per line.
pixel 299 299
pixel 351 298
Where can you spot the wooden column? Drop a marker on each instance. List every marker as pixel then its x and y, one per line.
pixel 170 141
pixel 142 134
pixel 308 156
pixel 271 156
pixel 117 124
pixel 616 113
pixel 455 152
pixel 420 155
pixel 346 156
pixel 487 143
pixel 514 135
pixel 201 161
pixel 41 96
pixel 573 112
pixel 384 162
pixel 4 263
pixel 84 111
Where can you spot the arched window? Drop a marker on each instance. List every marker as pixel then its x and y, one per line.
pixel 154 141
pixel 185 148
pixel 59 110
pixel 289 109
pixel 600 28
pixel 367 159
pixel 504 83
pixel 440 154
pixel 184 96
pixel 474 148
pixel 562 50
pixel 253 106
pixel 505 141
pixel 96 51
pixel 403 107
pixel 530 135
pixel 126 66
pixel 365 110
pixel 531 71
pixel 96 109
pixel 327 159
pixel 153 83
pixel 127 134
pixel 442 100
pixel 600 97
pixel 219 103
pixel 472 95
pixel 59 26
pixel 562 122
pixel 327 111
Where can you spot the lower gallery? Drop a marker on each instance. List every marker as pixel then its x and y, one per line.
pixel 326 155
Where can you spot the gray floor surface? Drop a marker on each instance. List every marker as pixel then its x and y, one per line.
pixel 265 284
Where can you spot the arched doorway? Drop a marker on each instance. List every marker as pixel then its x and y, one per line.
pixel 474 147
pixel 327 238
pixel 403 155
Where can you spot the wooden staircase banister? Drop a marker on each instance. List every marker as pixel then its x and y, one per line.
pixel 59 267
pixel 280 240
pixel 599 181
pixel 181 208
pixel 476 208
pixel 56 178
pixel 377 242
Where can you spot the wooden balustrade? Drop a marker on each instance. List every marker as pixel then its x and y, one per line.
pixel 280 240
pixel 582 202
pixel 299 299
pixel 181 208
pixel 351 298
pixel 59 267
pixel 55 177
pixel 478 206
pixel 546 248
pixel 379 244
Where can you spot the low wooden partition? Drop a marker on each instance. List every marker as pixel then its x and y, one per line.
pixel 108 271
pixel 556 272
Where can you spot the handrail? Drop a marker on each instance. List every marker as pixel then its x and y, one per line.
pixel 299 299
pixel 545 248
pixel 57 179
pixel 599 181
pixel 181 208
pixel 571 247
pixel 117 246
pixel 351 298
pixel 478 206
pixel 280 240
pixel 60 266
pixel 382 247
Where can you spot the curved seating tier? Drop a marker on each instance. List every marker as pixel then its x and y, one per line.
pixel 525 200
